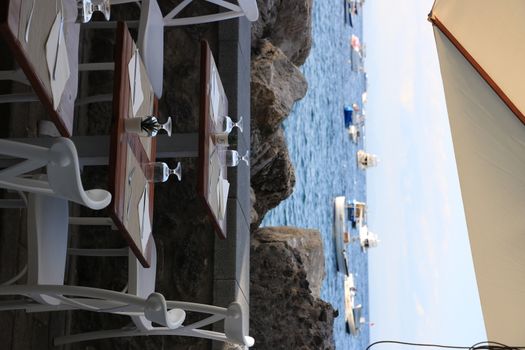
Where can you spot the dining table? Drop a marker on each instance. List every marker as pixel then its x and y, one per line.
pixel 212 182
pixel 131 208
pixel 43 38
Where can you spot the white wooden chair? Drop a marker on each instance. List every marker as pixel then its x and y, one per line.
pixel 153 308
pixel 140 303
pixel 141 283
pixel 47 203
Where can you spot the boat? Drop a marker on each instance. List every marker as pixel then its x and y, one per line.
pixel 350 114
pixel 357 54
pixel 366 160
pixel 353 119
pixel 367 239
pixel 353 316
pixel 354 133
pixel 341 235
pixel 356 212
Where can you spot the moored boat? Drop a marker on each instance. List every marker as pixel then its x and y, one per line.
pixel 340 234
pixel 352 311
pixel 353 119
pixel 353 132
pixel 366 160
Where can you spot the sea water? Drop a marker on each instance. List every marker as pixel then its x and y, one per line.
pixel 324 156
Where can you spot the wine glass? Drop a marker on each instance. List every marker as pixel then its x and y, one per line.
pixel 87 7
pixel 228 124
pixel 160 172
pixel 151 126
pixel 232 158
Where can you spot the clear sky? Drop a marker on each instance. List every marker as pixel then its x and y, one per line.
pixel 422 282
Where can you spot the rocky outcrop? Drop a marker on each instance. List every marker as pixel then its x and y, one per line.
pixel 276 84
pixel 281 40
pixel 288 25
pixel 308 244
pixel 283 312
pixel 273 175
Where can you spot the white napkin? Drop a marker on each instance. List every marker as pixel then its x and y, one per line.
pixel 62 62
pixel 135 82
pixel 223 187
pixel 214 174
pixel 144 218
pixel 214 95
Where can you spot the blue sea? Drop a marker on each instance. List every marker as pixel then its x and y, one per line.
pixel 324 156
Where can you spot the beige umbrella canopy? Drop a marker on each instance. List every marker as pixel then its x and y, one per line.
pixel 481 48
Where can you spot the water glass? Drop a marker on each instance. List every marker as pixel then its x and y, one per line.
pixel 160 172
pixel 232 158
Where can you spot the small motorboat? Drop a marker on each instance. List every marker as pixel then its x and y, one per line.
pixel 340 234
pixel 366 160
pixel 352 311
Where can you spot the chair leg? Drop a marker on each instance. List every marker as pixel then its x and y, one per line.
pixel 97 66
pixel 94 99
pixel 98 252
pixel 18 203
pixel 92 221
pixel 14 75
pixel 19 97
pixel 116 333
pixel 12 203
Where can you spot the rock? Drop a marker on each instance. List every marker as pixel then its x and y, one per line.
pixel 276 84
pixel 283 312
pixel 272 173
pixel 309 245
pixel 288 25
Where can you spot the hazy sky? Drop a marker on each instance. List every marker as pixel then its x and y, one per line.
pixel 422 283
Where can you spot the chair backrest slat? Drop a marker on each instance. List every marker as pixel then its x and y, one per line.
pixel 22 168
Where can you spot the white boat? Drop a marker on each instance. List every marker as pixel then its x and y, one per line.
pixel 340 234
pixel 353 132
pixel 356 212
pixel 366 160
pixel 367 239
pixel 352 312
